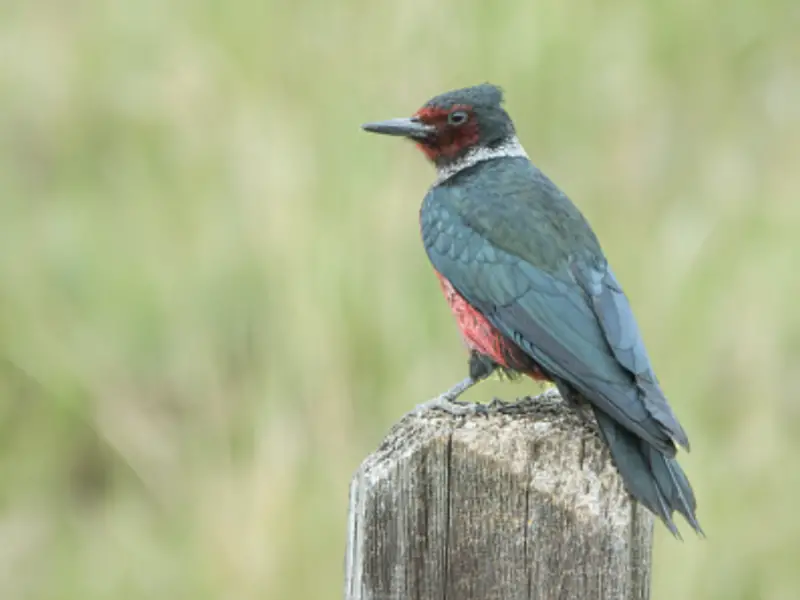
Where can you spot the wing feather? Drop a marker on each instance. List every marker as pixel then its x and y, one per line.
pixel 575 322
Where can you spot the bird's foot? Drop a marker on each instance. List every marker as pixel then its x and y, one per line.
pixel 447 402
pixel 453 407
pixel 504 407
pixel 521 405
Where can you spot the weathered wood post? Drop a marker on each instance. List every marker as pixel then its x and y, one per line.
pixel 515 506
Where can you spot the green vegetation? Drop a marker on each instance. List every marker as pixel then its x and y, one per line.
pixel 214 300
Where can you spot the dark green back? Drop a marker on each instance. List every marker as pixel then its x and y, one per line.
pixel 522 253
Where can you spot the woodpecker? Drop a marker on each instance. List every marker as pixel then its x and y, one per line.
pixel 533 293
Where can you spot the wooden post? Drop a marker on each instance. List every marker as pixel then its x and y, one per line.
pixel 518 506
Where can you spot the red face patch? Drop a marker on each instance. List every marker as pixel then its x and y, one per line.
pixel 456 130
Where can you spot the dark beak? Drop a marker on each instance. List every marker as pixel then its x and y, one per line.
pixel 410 128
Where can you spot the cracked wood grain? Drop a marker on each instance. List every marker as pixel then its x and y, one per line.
pixel 524 506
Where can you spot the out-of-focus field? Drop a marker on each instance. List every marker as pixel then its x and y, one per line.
pixel 214 300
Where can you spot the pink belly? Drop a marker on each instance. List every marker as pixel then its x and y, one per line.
pixel 477 332
pixel 481 336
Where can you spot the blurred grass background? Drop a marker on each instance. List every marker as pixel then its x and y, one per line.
pixel 214 301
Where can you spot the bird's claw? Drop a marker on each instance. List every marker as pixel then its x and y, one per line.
pixel 453 407
pixel 497 405
pixel 504 407
pixel 446 403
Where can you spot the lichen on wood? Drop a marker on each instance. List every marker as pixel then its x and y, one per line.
pixel 513 506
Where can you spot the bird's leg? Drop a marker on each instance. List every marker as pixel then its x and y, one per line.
pixel 447 401
pixel 480 367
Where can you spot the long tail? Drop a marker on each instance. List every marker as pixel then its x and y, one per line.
pixel 653 479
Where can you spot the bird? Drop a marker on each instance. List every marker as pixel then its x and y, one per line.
pixel 533 293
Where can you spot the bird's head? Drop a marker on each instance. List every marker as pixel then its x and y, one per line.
pixel 454 124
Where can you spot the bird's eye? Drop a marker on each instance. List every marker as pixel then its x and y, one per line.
pixel 458 117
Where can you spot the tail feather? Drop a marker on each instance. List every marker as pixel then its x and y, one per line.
pixel 655 480
pixel 683 499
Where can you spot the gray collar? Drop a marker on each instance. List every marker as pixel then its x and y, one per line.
pixel 511 147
